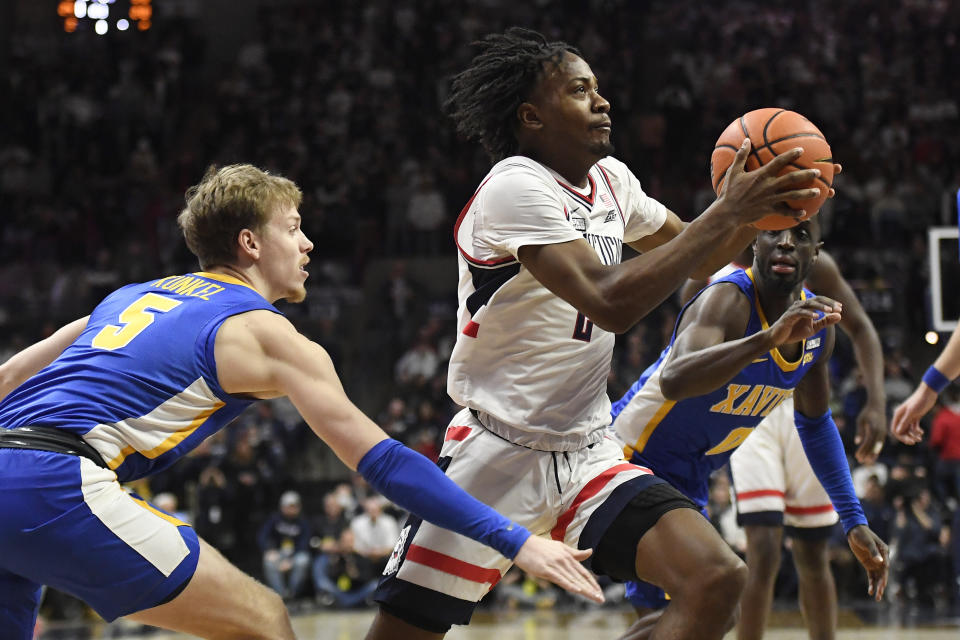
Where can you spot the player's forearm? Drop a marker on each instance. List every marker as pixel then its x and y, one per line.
pixel 869 356
pixel 31 360
pixel 630 291
pixel 824 450
pixel 411 481
pixel 948 362
pixel 706 370
pixel 728 249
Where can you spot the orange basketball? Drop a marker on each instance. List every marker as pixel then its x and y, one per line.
pixel 773 131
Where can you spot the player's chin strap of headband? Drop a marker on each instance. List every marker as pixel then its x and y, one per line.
pixel 49 439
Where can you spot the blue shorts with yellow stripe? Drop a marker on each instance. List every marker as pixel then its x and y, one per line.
pixel 67 523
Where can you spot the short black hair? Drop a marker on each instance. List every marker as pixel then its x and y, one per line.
pixel 484 97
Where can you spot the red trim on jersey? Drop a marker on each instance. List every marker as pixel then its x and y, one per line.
pixel 457 433
pixel 591 489
pixel 471 329
pixel 456 236
pixel 800 511
pixel 593 190
pixel 760 493
pixel 453 566
pixel 606 178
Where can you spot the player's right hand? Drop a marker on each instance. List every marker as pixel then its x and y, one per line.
pixel 751 195
pixel 905 425
pixel 560 564
pixel 874 555
pixel 800 320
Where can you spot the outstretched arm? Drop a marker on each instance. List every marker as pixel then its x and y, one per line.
pixel 260 354
pixel 710 350
pixel 824 449
pixel 825 278
pixel 24 364
pixel 615 297
pixel 906 419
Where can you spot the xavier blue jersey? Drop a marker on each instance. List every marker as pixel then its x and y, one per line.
pixel 140 383
pixel 684 441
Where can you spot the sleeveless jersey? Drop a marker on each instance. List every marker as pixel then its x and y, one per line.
pixel 140 383
pixel 684 441
pixel 533 366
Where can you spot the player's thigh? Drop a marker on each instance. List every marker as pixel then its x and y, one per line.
pixel 67 523
pixel 19 603
pixel 220 601
pixel 682 549
pixel 435 577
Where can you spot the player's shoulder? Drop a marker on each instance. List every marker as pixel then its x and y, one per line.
pixel 518 173
pixel 520 166
pixel 257 326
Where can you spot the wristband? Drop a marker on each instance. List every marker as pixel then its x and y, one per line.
pixel 935 380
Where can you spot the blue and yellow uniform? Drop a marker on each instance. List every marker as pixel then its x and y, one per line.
pixel 140 386
pixel 684 441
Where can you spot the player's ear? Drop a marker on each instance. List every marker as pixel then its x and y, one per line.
pixel 249 243
pixel 528 117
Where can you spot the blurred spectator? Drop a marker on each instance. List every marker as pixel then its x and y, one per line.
pixel 427 215
pixel 417 366
pixel 285 542
pixel 921 563
pixel 945 440
pixel 344 577
pixel 375 533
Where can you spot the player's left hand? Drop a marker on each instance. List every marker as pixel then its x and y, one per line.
pixel 905 426
pixel 560 564
pixel 871 432
pixel 873 554
pixel 837 168
pixel 800 320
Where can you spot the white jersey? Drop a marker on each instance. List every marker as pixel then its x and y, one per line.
pixel 532 366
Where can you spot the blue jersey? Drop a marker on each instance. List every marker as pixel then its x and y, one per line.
pixel 140 383
pixel 684 441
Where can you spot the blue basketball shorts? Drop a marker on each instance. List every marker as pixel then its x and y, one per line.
pixel 67 523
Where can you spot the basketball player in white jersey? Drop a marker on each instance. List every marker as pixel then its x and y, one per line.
pixel 541 293
pixel 775 486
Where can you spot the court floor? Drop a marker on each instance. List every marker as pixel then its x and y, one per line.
pixel 597 624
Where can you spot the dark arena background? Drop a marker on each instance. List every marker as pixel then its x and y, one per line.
pixel 111 109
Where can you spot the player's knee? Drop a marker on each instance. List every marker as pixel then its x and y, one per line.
pixel 274 611
pixel 722 583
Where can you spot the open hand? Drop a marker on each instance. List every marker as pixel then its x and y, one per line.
pixel 560 564
pixel 905 425
pixel 800 320
pixel 871 432
pixel 873 554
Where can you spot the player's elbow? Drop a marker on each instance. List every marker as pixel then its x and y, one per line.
pixel 674 387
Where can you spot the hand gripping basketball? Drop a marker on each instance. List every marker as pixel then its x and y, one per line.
pixel 753 195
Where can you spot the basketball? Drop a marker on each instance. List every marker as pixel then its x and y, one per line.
pixel 773 131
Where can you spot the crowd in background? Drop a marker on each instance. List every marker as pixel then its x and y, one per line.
pixel 344 98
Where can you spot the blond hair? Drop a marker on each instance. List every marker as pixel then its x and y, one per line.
pixel 226 201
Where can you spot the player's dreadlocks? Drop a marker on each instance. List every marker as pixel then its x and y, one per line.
pixel 484 97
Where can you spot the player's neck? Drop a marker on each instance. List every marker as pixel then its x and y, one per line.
pixel 573 170
pixel 246 276
pixel 774 302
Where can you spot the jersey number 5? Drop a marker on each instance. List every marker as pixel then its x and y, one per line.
pixel 134 319
pixel 583 328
